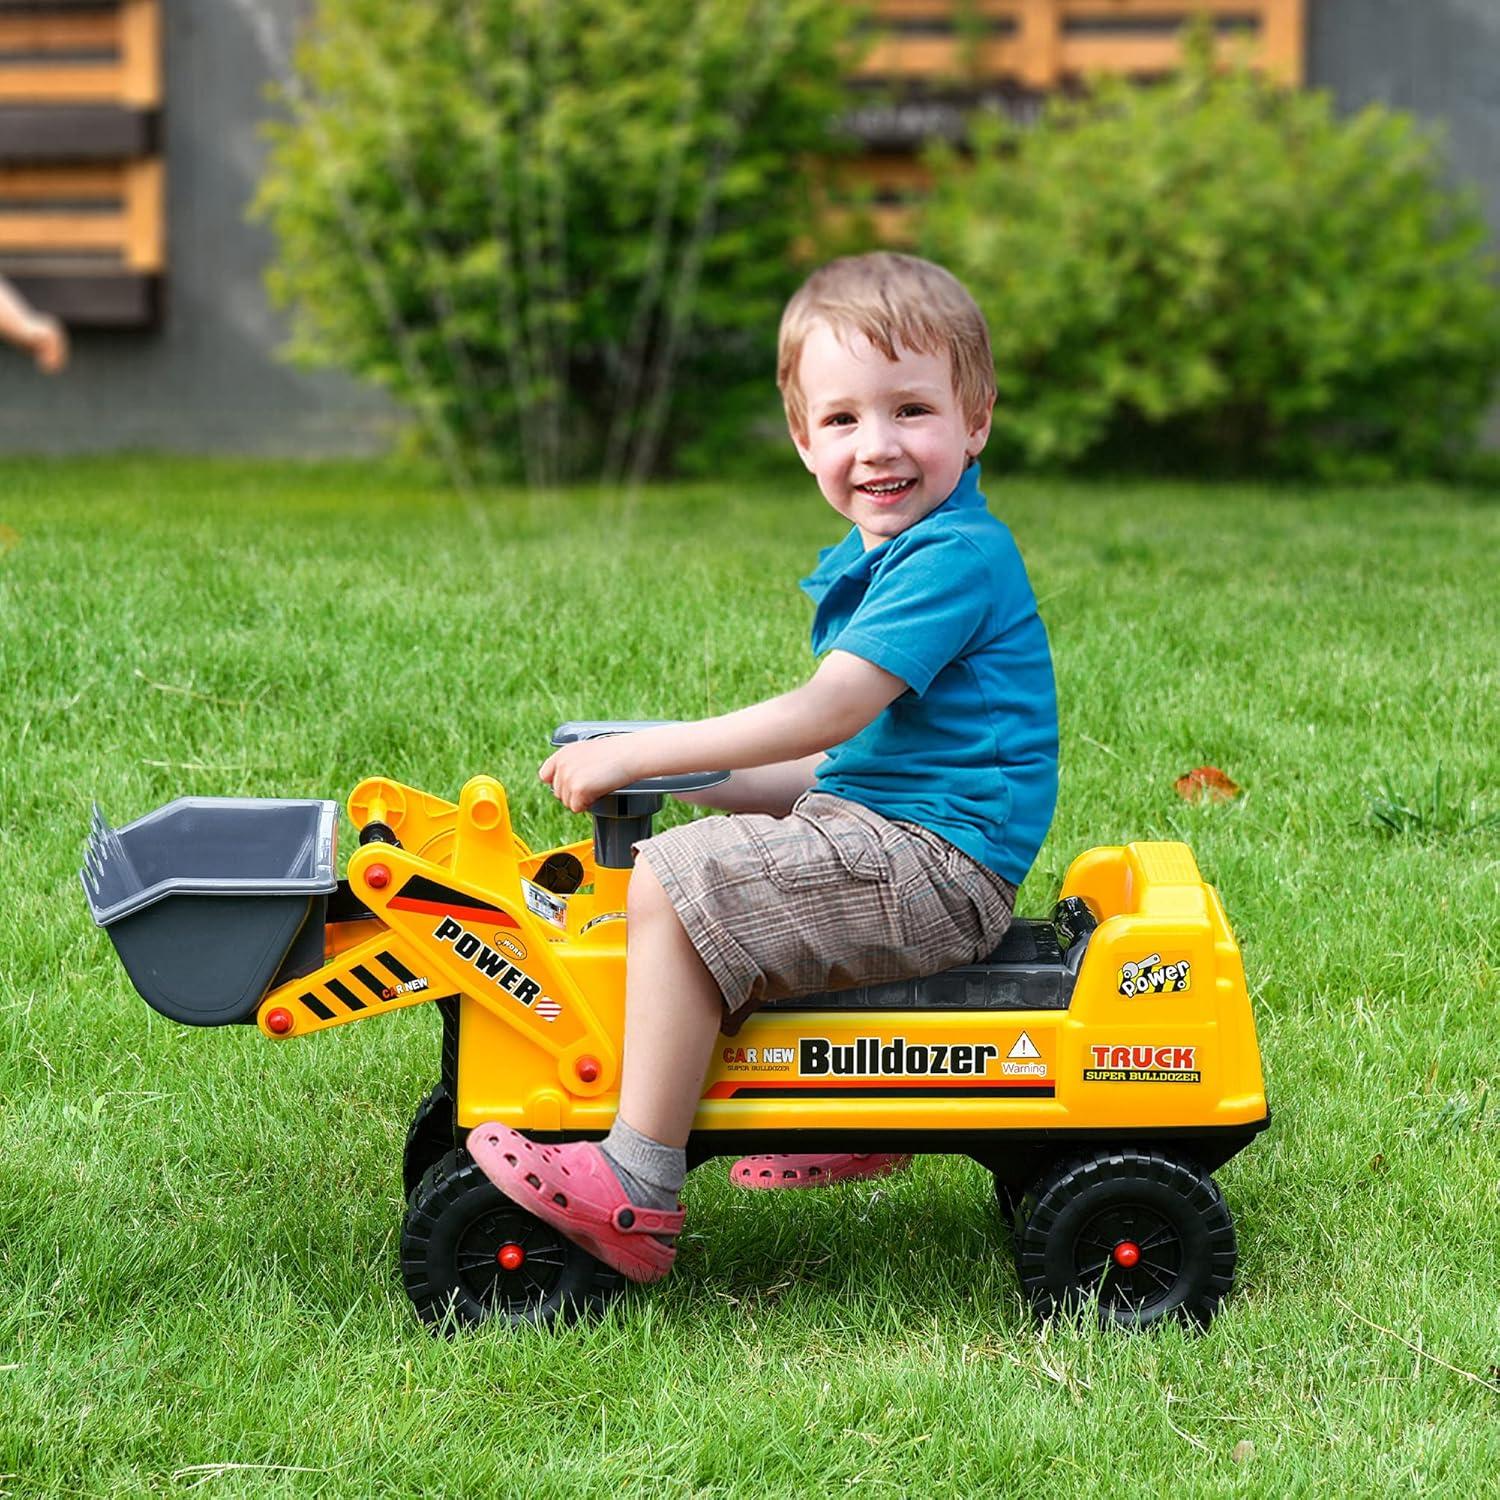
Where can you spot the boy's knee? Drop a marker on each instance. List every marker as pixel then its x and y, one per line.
pixel 645 898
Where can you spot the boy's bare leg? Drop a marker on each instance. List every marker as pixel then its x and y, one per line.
pixel 673 1010
pixel 672 1013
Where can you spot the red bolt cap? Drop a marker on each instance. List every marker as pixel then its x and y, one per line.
pixel 279 1021
pixel 588 1069
pixel 511 1257
pixel 377 877
pixel 1127 1253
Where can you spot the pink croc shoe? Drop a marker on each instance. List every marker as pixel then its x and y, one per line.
pixel 572 1188
pixel 813 1171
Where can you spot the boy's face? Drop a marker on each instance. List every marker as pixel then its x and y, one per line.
pixel 886 439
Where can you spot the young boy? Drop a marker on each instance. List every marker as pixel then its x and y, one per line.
pixel 887 809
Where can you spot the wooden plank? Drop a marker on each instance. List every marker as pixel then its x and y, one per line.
pixel 1146 53
pixel 53 184
pixel 57 5
pixel 130 76
pixel 140 53
pixel 43 31
pixel 1121 54
pixel 1176 10
pixel 924 57
pixel 43 233
pixel 76 84
pixel 901 174
pixel 940 11
pixel 1283 41
pixel 145 221
pixel 133 227
pixel 1040 43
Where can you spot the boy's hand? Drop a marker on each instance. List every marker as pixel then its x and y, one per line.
pixel 48 342
pixel 580 774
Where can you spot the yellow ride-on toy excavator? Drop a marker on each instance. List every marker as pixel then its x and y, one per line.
pixel 1100 1063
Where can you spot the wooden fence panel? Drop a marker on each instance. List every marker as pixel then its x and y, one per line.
pixel 1045 43
pixel 940 58
pixel 82 215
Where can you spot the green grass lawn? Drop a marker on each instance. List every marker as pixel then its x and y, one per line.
pixel 198 1242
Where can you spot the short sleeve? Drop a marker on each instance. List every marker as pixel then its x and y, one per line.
pixel 924 605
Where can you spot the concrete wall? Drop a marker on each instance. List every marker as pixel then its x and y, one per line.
pixel 210 379
pixel 1438 58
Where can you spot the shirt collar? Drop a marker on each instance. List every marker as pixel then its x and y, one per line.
pixel 849 557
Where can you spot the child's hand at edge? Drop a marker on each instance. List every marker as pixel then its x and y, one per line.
pixel 580 774
pixel 47 340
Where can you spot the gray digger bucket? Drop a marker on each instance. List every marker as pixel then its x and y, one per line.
pixel 208 899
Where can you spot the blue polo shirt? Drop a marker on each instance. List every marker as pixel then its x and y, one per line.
pixel 970 749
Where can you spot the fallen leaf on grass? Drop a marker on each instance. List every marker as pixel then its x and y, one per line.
pixel 9 536
pixel 1206 781
pixel 1243 1450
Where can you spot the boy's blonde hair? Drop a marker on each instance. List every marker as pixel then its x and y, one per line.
pixel 891 299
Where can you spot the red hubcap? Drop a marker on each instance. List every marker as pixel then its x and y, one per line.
pixel 510 1256
pixel 1127 1253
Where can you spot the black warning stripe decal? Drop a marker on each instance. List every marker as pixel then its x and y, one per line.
pixel 316 1006
pixel 420 888
pixel 375 986
pixel 420 894
pixel 396 967
pixel 883 1091
pixel 343 992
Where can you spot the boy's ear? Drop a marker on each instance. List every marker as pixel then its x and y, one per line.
pixel 979 435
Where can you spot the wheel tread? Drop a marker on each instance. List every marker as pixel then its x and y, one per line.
pixel 1083 1176
pixel 430 1136
pixel 451 1189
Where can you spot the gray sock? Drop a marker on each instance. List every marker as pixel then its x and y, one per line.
pixel 651 1173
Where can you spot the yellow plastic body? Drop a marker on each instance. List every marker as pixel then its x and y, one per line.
pixel 1158 1034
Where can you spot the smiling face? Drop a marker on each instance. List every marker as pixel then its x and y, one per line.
pixel 886 439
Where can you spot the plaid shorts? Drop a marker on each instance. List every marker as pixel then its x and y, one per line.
pixel 830 897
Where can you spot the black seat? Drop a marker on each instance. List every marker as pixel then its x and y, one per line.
pixel 1034 967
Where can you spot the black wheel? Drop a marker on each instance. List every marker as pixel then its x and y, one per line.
pixel 430 1136
pixel 1146 1233
pixel 469 1255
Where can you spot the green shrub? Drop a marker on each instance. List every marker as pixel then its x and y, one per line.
pixel 1213 269
pixel 560 230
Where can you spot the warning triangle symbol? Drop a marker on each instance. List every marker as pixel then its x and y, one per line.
pixel 1024 1047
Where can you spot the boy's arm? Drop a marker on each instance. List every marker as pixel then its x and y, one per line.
pixel 763 789
pixel 844 695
